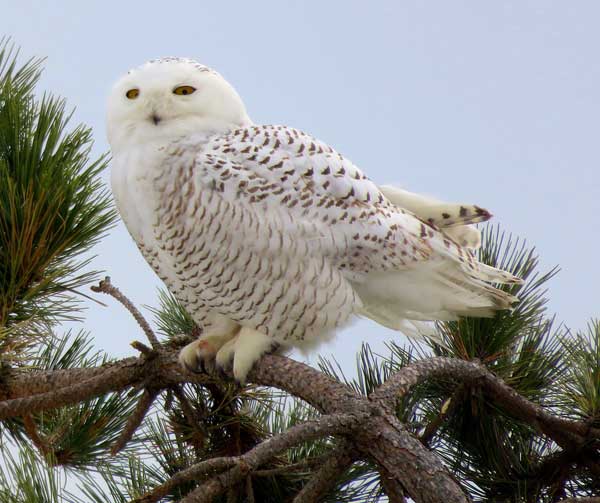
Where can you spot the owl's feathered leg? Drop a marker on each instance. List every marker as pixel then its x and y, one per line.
pixel 199 354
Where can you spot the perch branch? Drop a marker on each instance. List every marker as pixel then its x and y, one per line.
pixel 381 438
pixel 110 380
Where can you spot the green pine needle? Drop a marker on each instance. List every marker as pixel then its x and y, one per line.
pixel 53 205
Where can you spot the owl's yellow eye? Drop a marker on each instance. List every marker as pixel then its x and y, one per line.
pixel 184 90
pixel 132 93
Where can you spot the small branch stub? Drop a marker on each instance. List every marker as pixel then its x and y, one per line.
pixel 106 287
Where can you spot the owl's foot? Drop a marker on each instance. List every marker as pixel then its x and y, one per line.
pixel 244 350
pixel 199 355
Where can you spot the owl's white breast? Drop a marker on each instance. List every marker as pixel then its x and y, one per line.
pixel 133 171
pixel 131 182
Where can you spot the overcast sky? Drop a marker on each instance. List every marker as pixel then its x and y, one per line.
pixel 495 103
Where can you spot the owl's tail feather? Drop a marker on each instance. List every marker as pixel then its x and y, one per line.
pixel 447 285
pixel 445 291
pixel 438 213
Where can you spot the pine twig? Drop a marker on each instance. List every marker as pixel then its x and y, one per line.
pixel 33 434
pixel 189 413
pixel 105 286
pixel 135 419
pixel 142 348
pixel 326 478
pixel 249 490
pixel 447 409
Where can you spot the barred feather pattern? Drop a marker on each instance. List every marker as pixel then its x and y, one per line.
pixel 277 231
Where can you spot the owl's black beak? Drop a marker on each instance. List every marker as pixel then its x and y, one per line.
pixel 156 119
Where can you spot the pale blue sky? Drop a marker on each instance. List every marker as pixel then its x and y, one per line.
pixel 496 103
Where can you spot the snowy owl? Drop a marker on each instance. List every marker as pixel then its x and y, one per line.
pixel 268 236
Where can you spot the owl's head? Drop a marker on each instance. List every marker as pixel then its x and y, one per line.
pixel 168 98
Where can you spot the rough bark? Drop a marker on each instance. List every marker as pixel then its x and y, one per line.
pixel 378 435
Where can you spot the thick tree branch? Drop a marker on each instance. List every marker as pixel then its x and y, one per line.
pixel 563 431
pixel 45 385
pixel 115 379
pixel 382 438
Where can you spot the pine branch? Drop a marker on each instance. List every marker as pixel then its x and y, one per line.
pixel 563 431
pixel 448 408
pixel 113 379
pixel 326 478
pixel 392 488
pixel 135 420
pixel 34 435
pixel 379 439
pixel 335 424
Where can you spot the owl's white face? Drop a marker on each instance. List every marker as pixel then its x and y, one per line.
pixel 169 98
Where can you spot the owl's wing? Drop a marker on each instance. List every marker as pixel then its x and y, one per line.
pixel 283 193
pixel 311 193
